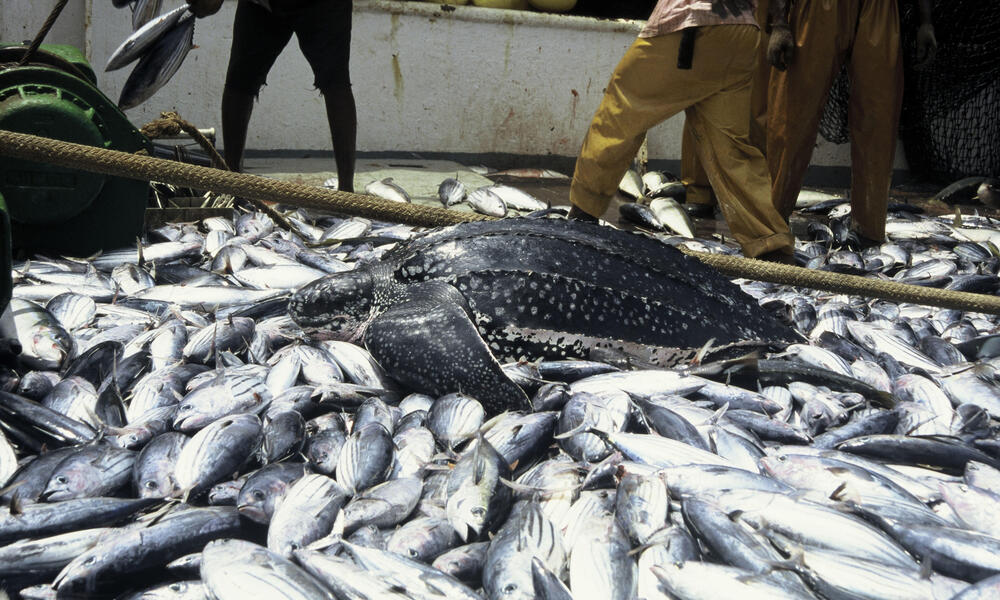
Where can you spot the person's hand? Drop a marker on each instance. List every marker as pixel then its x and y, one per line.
pixel 780 47
pixel 204 8
pixel 926 44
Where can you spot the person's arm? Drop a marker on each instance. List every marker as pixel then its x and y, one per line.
pixel 781 43
pixel 926 41
pixel 204 8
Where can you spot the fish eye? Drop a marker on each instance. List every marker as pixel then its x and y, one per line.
pixel 510 588
pixel 90 560
pixel 413 553
pixel 62 479
pixel 479 511
pixel 258 495
pixel 151 485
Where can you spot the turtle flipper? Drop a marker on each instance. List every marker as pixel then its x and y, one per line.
pixel 432 346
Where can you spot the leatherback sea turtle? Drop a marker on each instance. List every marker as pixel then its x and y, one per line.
pixel 440 310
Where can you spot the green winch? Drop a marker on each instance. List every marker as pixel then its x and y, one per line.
pixel 55 209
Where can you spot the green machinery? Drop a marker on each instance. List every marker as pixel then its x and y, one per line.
pixel 53 209
pixel 5 259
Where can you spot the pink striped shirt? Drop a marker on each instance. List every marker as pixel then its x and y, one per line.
pixel 673 15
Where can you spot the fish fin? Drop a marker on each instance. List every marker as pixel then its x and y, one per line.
pixel 717 415
pixel 926 567
pixel 478 460
pixel 702 352
pixel 16 505
pixel 534 490
pixel 325 542
pixel 492 422
pixel 796 562
pixel 169 505
pixel 138 243
pixel 839 492
pixel 215 347
pixel 727 366
pixel 584 427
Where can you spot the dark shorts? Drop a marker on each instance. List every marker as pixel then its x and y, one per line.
pixel 323 28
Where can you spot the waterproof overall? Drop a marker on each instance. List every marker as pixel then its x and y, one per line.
pixel 647 88
pixel 864 34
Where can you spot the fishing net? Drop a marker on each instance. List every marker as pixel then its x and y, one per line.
pixel 951 108
pixel 833 122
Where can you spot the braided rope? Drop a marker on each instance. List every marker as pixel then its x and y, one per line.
pixel 147 168
pixel 746 268
pixel 131 166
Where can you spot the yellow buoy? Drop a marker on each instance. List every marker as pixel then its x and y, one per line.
pixel 513 4
pixel 554 5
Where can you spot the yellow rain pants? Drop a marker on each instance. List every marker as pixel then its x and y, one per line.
pixel 692 174
pixel 647 88
pixel 865 34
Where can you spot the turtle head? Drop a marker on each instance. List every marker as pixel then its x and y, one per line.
pixel 338 306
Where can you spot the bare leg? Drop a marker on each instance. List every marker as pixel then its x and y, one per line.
pixel 236 110
pixel 343 118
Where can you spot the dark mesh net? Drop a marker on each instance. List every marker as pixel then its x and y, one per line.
pixel 951 108
pixel 833 122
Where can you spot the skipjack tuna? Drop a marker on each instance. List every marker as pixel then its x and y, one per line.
pixel 169 430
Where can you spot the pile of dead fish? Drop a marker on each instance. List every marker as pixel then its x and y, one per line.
pixel 496 200
pixel 169 432
pixel 159 42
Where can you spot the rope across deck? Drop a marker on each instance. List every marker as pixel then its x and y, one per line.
pixel 840 283
pixel 132 166
pixel 147 168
